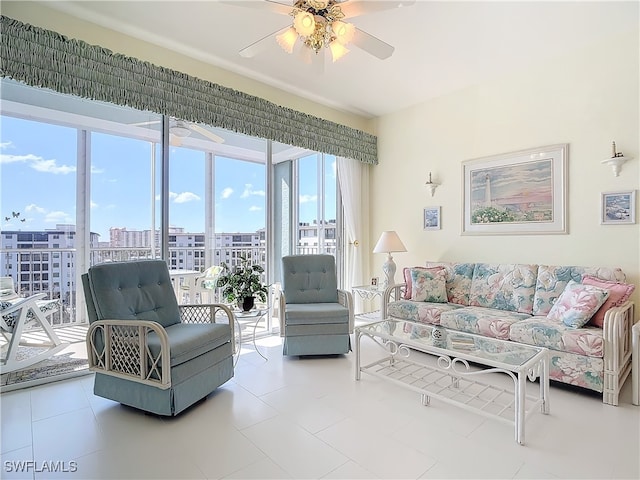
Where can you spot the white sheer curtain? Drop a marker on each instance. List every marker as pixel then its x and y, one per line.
pixel 353 176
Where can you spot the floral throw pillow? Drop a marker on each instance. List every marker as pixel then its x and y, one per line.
pixel 406 272
pixel 619 293
pixel 577 304
pixel 428 285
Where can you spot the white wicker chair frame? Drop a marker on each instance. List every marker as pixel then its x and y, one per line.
pixel 126 353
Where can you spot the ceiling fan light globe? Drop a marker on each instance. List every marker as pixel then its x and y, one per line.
pixel 304 23
pixel 343 31
pixel 180 131
pixel 287 39
pixel 338 50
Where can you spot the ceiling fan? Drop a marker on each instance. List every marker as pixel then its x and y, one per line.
pixel 179 129
pixel 320 24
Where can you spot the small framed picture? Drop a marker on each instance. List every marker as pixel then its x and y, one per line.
pixel 374 281
pixel 431 218
pixel 618 208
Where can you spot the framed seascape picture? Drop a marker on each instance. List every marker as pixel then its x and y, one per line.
pixel 516 193
pixel 431 218
pixel 618 208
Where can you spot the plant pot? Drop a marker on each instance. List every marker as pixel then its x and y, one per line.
pixel 246 304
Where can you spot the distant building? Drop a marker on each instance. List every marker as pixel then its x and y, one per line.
pixel 44 260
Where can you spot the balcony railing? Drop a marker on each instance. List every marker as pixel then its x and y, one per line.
pixel 52 270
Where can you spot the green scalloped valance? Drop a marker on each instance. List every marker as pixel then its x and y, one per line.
pixel 43 58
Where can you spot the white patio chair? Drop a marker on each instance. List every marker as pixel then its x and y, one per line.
pixel 204 288
pixel 19 315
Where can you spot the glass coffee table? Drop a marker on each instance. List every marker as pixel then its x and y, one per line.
pixel 451 376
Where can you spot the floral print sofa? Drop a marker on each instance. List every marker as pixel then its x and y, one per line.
pixel 516 302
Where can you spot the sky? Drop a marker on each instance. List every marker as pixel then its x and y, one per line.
pixel 38 182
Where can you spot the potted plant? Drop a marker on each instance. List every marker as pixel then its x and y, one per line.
pixel 242 284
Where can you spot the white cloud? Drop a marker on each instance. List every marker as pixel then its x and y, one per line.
pixel 58 217
pixel 226 193
pixel 255 208
pixel 38 163
pixel 4 158
pixel 5 145
pixel 94 205
pixel 308 198
pixel 248 191
pixel 172 195
pixel 185 197
pixel 34 208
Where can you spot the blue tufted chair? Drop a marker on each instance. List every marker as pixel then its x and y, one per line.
pixel 146 351
pixel 316 317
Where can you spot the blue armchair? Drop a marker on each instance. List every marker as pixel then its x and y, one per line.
pixel 146 351
pixel 316 318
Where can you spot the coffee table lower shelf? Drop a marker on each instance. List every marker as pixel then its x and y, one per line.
pixel 460 389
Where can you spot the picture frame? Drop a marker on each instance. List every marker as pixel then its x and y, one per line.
pixel 431 218
pixel 517 193
pixel 374 281
pixel 618 208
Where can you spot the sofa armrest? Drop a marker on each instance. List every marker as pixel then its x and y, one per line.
pixel 119 348
pixel 345 298
pixel 618 322
pixel 391 292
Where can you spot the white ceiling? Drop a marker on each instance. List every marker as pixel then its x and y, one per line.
pixel 440 47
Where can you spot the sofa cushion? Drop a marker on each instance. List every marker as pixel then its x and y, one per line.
pixel 458 280
pixel 489 322
pixel 406 273
pixel 509 287
pixel 554 335
pixel 552 279
pixel 422 312
pixel 619 293
pixel 577 304
pixel 428 285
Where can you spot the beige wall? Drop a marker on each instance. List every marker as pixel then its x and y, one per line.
pixel 36 14
pixel 586 100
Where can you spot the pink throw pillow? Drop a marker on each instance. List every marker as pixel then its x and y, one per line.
pixel 619 293
pixel 406 272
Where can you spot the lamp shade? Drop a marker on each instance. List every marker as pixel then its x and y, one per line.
pixel 389 242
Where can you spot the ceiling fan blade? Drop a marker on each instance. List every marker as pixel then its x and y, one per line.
pixel 145 123
pixel 259 46
pixel 372 45
pixel 206 133
pixel 264 5
pixel 355 8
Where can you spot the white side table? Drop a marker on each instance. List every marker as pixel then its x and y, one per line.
pixel 368 292
pixel 635 364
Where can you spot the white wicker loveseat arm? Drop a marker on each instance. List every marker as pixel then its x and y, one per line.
pixel 209 313
pixel 392 291
pixel 345 298
pixel 119 348
pixel 618 322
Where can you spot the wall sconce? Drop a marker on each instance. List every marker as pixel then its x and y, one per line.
pixel 616 160
pixel 431 185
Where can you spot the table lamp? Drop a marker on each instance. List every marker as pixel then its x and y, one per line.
pixel 389 242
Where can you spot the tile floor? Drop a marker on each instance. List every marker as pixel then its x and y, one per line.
pixel 309 418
